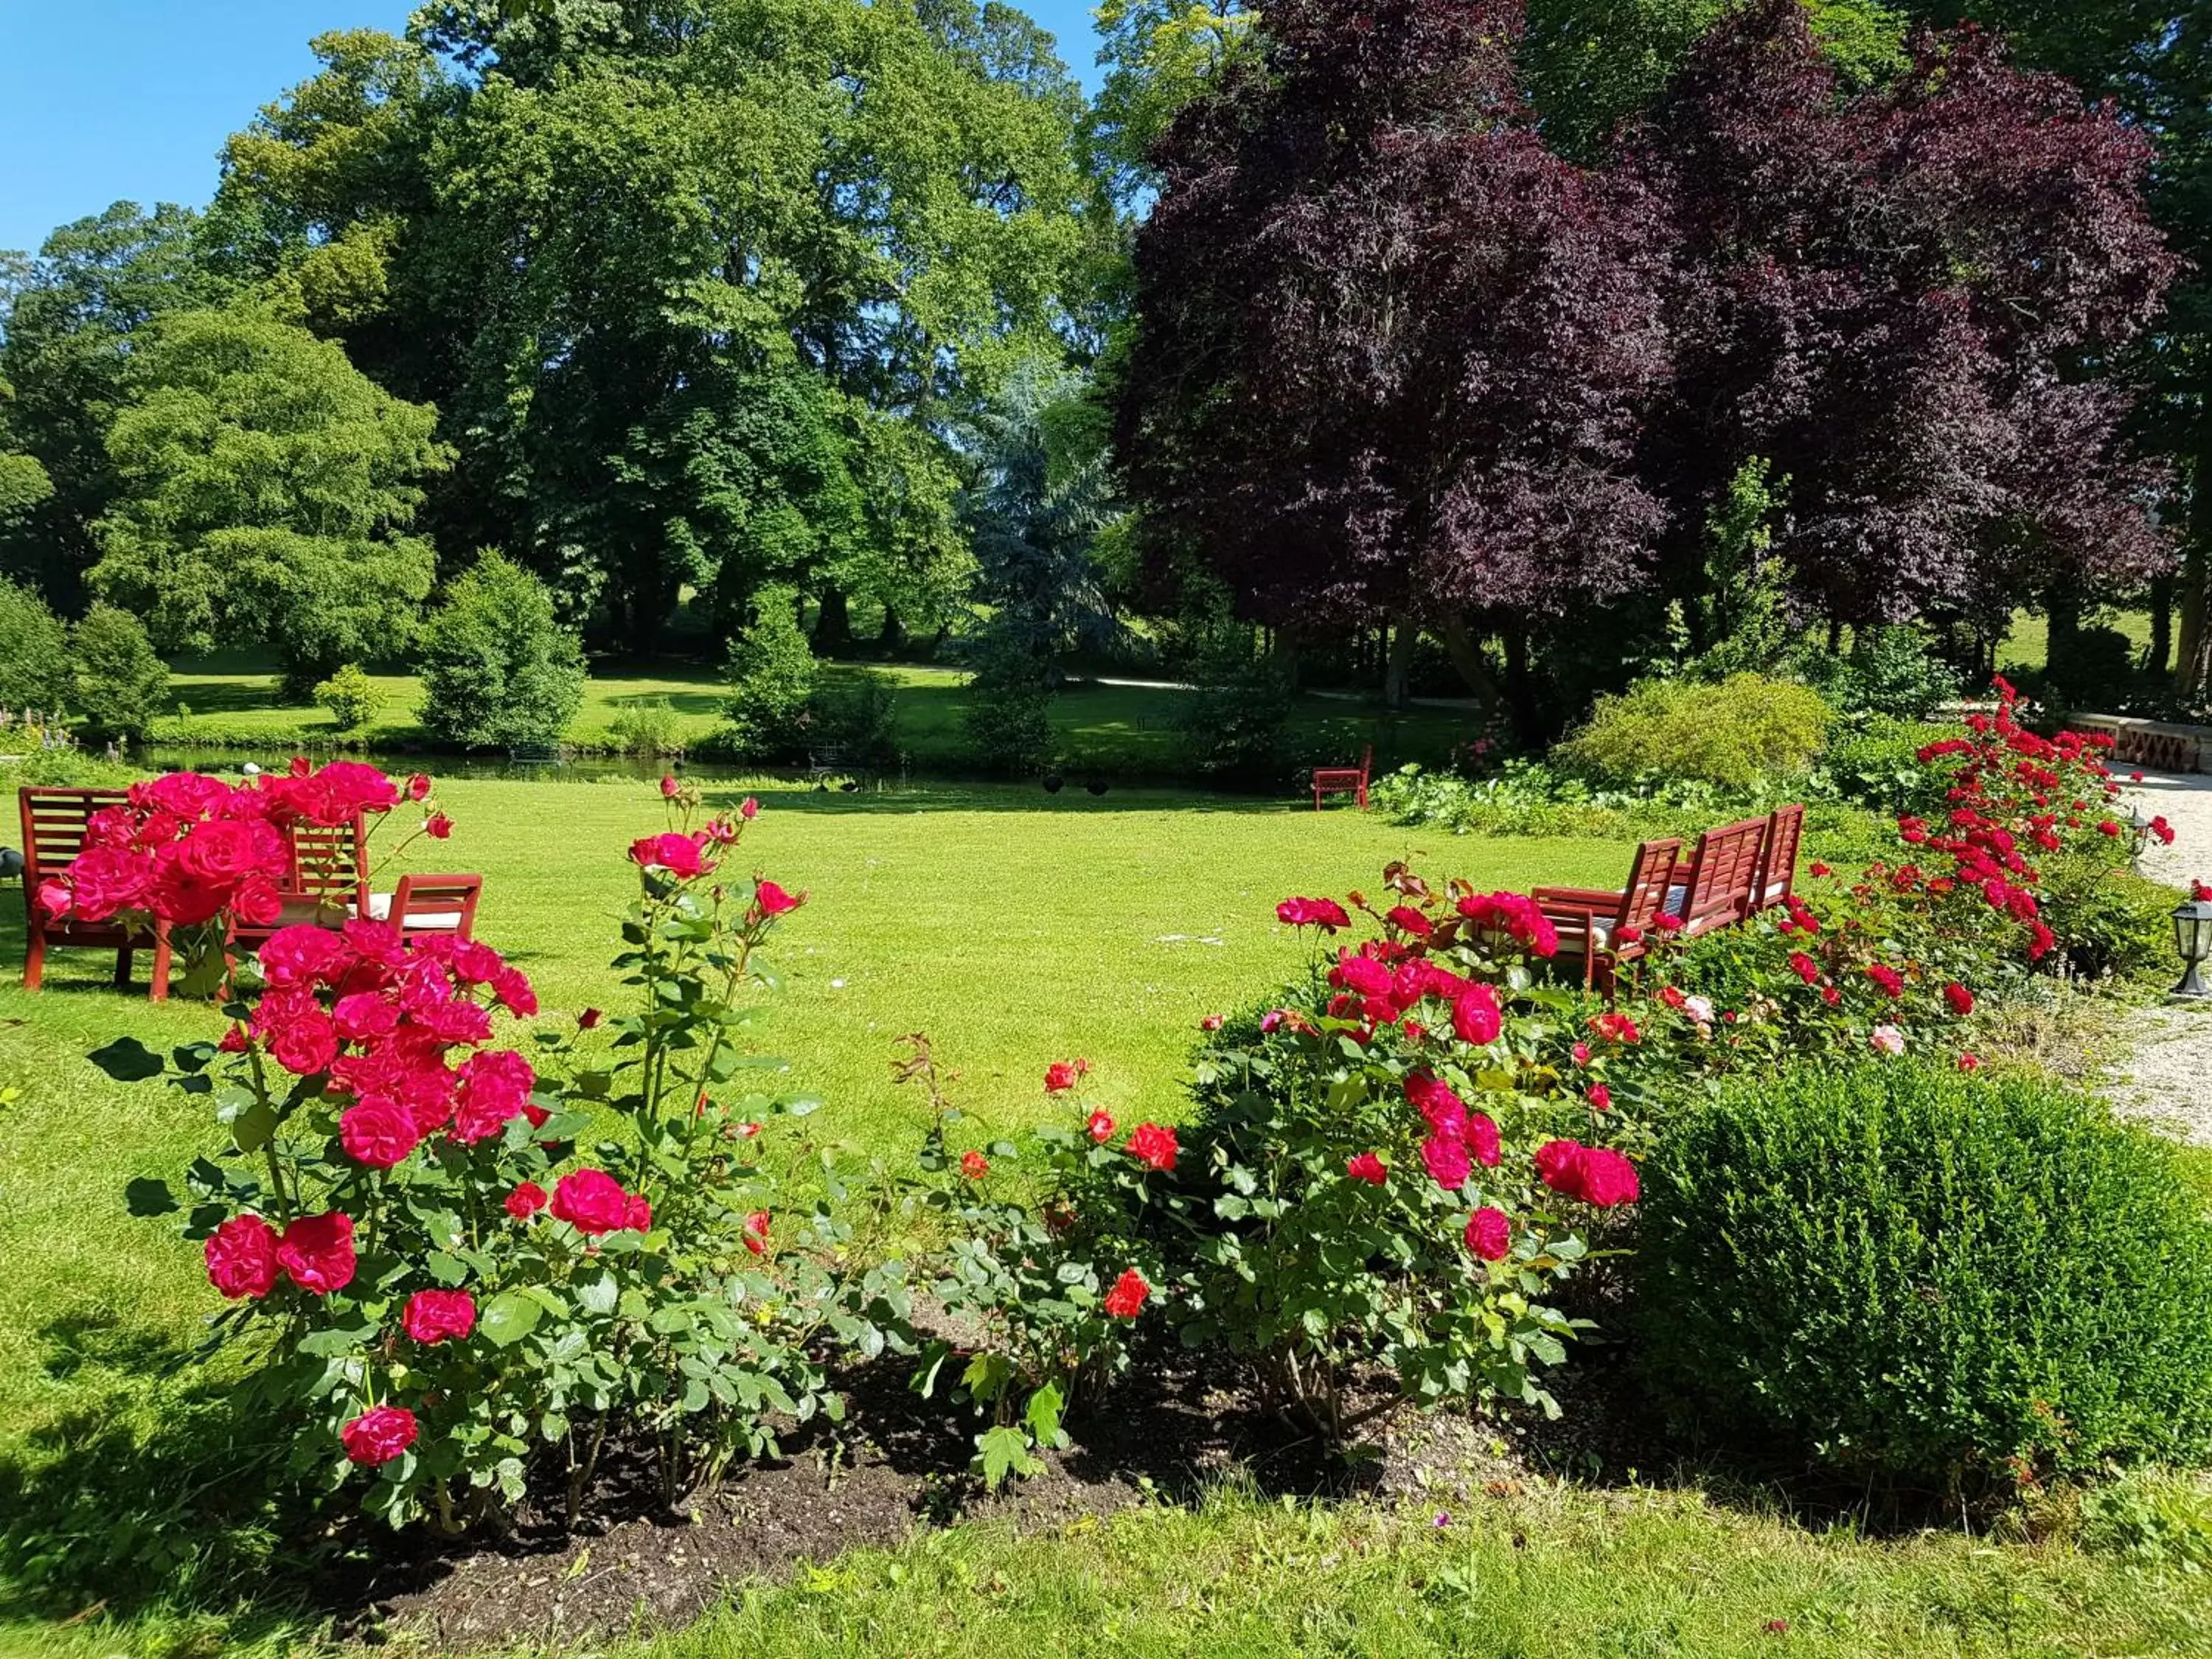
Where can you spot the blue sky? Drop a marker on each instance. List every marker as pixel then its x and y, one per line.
pixel 106 100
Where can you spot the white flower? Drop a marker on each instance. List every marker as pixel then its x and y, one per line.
pixel 1888 1039
pixel 1699 1008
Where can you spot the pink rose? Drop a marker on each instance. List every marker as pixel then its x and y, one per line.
pixel 377 1436
pixel 1489 1235
pixel 592 1201
pixel 379 1132
pixel 316 1252
pixel 1446 1160
pixel 242 1257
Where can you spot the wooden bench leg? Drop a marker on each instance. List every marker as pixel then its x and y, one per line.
pixel 123 968
pixel 35 958
pixel 157 979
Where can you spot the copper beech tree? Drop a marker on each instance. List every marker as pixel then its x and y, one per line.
pixel 1394 358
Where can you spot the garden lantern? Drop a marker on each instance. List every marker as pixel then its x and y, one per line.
pixel 2192 937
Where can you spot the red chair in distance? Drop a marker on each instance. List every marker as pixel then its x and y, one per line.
pixel 1345 780
pixel 1590 922
pixel 423 904
pixel 53 833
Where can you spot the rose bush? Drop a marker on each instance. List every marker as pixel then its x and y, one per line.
pixel 436 1280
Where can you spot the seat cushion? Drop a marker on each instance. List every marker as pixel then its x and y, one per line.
pixel 1774 891
pixel 1676 898
pixel 418 922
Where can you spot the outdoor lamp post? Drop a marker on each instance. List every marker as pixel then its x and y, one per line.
pixel 2192 937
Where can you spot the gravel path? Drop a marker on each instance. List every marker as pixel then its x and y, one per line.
pixel 2169 1081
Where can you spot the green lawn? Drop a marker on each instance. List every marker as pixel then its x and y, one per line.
pixel 1017 929
pixel 1124 731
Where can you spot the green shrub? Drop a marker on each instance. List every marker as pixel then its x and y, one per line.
pixel 351 697
pixel 857 711
pixel 648 729
pixel 2153 1519
pixel 498 669
pixel 1732 734
pixel 1009 712
pixel 121 682
pixel 1235 726
pixel 770 673
pixel 34 671
pixel 1900 1271
pixel 1874 760
pixel 1894 672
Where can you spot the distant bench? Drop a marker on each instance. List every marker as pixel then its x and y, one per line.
pixel 2166 744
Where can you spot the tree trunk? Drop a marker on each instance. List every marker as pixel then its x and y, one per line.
pixel 1286 655
pixel 2062 608
pixel 1520 689
pixel 1467 658
pixel 2161 654
pixel 1398 672
pixel 2192 664
pixel 833 625
pixel 890 640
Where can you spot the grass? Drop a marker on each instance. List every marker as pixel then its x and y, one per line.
pixel 2027 644
pixel 1017 929
pixel 1121 731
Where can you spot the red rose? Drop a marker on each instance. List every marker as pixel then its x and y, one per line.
pixel 304 955
pixel 1061 1076
pixel 379 1132
pixel 1970 1063
pixel 1443 1111
pixel 1482 1141
pixel 1126 1298
pixel 418 788
pixel 363 1015
pixel 242 1257
pixel 589 1020
pixel 1892 981
pixel 592 1201
pixel 679 855
pixel 756 1231
pixel 1581 1054
pixel 316 1252
pixel 1446 1160
pixel 437 826
pixel 1600 1097
pixel 1100 1126
pixel 1408 920
pixel 306 1044
pixel 1804 967
pixel 1368 1168
pixel 1153 1147
pixel 637 1214
pixel 525 1200
pixel 1556 1162
pixel 1489 1235
pixel 774 901
pixel 1324 914
pixel 1211 1023
pixel 668 786
pixel 1475 1016
pixel 377 1436
pixel 749 810
pixel 1961 998
pixel 1607 1178
pixel 439 1315
pixel 494 1086
pixel 974 1164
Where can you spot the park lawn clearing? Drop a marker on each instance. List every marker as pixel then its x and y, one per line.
pixel 1017 928
pixel 1118 730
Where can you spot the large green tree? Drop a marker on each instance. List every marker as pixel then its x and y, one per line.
pixel 265 492
pixel 606 246
pixel 67 323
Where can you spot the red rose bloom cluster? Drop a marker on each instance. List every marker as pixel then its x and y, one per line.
pixel 1126 1298
pixel 1598 1176
pixel 377 1436
pixel 1325 914
pixel 1517 916
pixel 1153 1147
pixel 594 1203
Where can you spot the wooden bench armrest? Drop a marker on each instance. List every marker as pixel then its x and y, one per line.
pixel 1590 896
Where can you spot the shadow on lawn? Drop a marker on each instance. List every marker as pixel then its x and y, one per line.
pixel 153 1488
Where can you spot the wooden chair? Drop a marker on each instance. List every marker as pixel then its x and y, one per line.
pixel 1778 859
pixel 53 834
pixel 1591 920
pixel 1723 879
pixel 429 904
pixel 1345 780
pixel 325 881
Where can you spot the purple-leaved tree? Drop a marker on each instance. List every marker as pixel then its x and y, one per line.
pixel 1390 351
pixel 1910 302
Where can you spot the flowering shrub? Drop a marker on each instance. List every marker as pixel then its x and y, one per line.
pixel 202 855
pixel 1388 1168
pixel 2023 870
pixel 426 1266
pixel 1046 1271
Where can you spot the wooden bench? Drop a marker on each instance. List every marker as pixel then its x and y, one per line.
pixel 1778 859
pixel 54 822
pixel 1722 881
pixel 1345 780
pixel 1605 929
pixel 833 760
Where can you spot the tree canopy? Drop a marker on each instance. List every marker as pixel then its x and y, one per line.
pixel 265 488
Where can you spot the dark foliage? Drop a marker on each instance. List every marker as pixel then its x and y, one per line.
pixel 1909 300
pixel 1391 349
